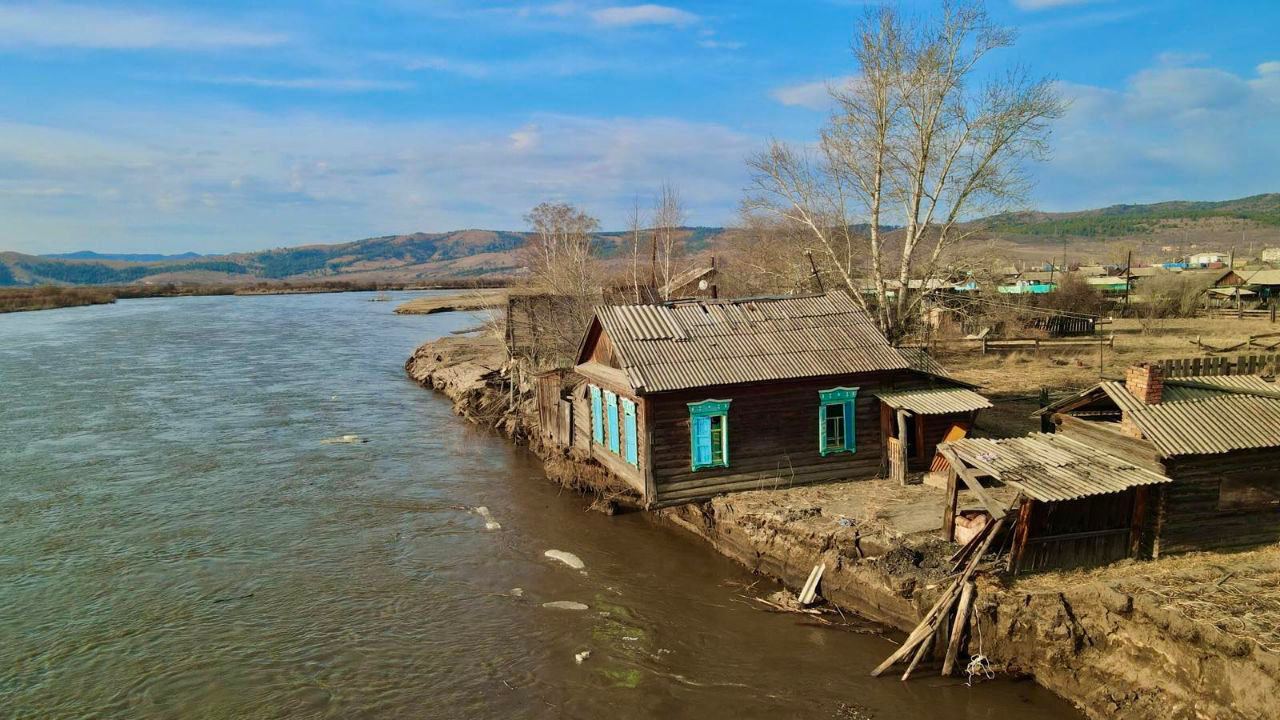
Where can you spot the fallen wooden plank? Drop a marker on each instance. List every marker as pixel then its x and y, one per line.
pixel 957 628
pixel 971 482
pixel 810 590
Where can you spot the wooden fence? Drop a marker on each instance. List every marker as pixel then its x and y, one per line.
pixel 1258 364
pixel 987 344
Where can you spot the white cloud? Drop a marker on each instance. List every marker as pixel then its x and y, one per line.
pixel 648 14
pixel 81 26
pixel 814 95
pixel 213 179
pixel 1169 133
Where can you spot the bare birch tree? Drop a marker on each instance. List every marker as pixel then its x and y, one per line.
pixel 917 141
pixel 561 253
pixel 668 216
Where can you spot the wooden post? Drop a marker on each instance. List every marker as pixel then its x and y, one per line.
pixel 1139 520
pixel 1020 535
pixel 902 447
pixel 957 628
pixel 953 499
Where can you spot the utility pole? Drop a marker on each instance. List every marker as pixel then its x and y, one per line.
pixel 1128 278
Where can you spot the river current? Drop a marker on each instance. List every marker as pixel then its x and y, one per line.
pixel 177 541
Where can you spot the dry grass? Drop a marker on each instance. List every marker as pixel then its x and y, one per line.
pixel 1072 368
pixel 1237 593
pixel 477 299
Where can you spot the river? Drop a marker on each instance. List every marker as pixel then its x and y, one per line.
pixel 176 541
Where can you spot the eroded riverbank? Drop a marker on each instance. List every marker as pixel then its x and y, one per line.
pixel 1111 648
pixel 177 540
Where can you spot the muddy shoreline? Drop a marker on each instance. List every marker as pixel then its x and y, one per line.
pixel 1110 652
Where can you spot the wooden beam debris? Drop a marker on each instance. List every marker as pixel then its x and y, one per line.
pixel 810 590
pixel 920 639
pixel 958 627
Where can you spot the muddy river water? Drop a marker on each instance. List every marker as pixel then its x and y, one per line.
pixel 176 541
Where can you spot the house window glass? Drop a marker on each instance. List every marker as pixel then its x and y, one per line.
pixel 836 420
pixel 709 433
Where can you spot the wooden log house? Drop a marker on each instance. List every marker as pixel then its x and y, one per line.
pixel 1217 438
pixel 690 399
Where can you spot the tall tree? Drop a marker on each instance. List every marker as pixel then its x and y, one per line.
pixel 668 216
pixel 917 140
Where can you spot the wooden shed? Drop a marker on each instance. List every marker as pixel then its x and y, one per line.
pixel 1077 506
pixel 690 399
pixel 1217 437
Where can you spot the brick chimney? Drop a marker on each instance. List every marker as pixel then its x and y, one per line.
pixel 1145 382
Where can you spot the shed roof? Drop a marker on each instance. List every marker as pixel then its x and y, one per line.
pixel 1052 468
pixel 685 277
pixel 1263 277
pixel 934 400
pixel 683 345
pixel 1208 424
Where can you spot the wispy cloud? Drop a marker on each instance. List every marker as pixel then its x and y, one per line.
pixel 1170 132
pixel 814 95
pixel 323 84
pixel 648 14
pixel 1033 5
pixel 50 25
pixel 216 179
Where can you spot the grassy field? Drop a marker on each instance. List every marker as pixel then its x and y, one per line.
pixel 1073 368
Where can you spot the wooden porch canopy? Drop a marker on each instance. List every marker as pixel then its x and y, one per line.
pixel 934 400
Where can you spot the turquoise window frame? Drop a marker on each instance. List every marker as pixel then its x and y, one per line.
pixel 597 416
pixel 848 398
pixel 701 448
pixel 611 417
pixel 629 444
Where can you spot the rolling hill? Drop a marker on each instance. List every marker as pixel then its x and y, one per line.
pixel 1153 230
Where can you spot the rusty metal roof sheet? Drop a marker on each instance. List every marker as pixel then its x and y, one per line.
pixel 692 344
pixel 934 400
pixel 1052 468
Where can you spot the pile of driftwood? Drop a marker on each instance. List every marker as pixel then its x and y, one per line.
pixel 958 597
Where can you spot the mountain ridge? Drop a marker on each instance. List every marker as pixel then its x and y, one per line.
pixel 478 253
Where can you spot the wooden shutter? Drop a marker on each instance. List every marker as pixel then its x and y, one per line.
pixel 597 417
pixel 629 432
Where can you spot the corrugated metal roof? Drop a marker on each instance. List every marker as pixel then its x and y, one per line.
pixel 1211 425
pixel 1052 468
pixel 934 401
pixel 1199 421
pixel 693 344
pixel 1262 277
pixel 1183 388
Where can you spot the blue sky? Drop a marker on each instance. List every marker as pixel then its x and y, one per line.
pixel 130 126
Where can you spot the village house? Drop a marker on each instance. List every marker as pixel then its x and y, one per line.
pixel 1215 437
pixel 686 400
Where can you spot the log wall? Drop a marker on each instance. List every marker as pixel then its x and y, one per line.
pixel 773 436
pixel 1192 516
